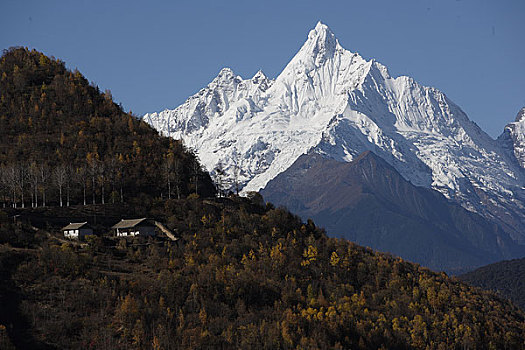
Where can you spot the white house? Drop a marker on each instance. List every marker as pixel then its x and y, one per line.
pixel 135 227
pixel 77 230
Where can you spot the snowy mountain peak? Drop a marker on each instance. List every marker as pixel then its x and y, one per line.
pixel 259 76
pixel 261 81
pixel 226 71
pixel 322 34
pixel 320 26
pixel 334 102
pixel 226 75
pixel 320 45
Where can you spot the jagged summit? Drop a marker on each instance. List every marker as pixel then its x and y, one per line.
pixel 338 104
pixel 226 71
pixel 259 76
pixel 321 44
pixel 225 76
pixel 320 26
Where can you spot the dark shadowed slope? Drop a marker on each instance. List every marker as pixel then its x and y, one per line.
pixel 369 202
pixel 504 277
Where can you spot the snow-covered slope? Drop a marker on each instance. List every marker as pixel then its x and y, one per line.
pixel 513 137
pixel 334 102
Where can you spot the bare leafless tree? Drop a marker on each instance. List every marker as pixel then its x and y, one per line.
pixel 21 180
pixel 59 175
pixel 111 165
pixel 4 185
pixel 196 171
pixel 69 174
pixel 34 180
pixel 237 166
pixel 11 182
pixel 120 177
pixel 44 181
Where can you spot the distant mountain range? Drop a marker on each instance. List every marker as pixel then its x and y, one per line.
pixel 332 102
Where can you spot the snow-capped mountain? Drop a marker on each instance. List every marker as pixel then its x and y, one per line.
pixel 334 102
pixel 513 137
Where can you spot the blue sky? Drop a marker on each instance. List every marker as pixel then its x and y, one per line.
pixel 152 55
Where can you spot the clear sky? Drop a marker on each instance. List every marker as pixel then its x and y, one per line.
pixel 152 54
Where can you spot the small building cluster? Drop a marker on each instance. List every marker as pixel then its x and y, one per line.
pixel 124 228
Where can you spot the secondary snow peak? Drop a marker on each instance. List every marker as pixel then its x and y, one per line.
pixel 226 74
pixel 259 77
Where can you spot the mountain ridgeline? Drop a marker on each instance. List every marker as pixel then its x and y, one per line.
pixel 59 134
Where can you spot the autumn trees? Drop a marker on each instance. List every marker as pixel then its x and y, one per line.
pixel 247 275
pixel 73 142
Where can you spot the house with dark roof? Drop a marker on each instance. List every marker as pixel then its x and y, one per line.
pixel 77 230
pixel 135 227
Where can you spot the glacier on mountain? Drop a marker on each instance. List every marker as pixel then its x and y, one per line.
pixel 336 103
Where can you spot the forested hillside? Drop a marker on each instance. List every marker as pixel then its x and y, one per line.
pixel 62 140
pixel 243 276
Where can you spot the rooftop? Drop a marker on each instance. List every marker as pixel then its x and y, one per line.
pixel 128 223
pixel 75 226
